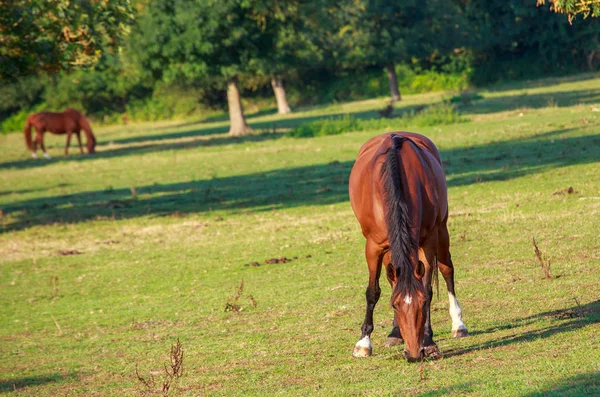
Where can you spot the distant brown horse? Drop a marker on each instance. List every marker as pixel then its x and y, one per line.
pixel 398 193
pixel 68 122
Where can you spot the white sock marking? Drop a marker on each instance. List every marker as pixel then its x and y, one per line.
pixel 46 155
pixel 455 313
pixel 34 155
pixel 364 342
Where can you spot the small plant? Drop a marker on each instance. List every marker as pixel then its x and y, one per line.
pixel 54 282
pixel 173 371
pixel 544 261
pixel 232 303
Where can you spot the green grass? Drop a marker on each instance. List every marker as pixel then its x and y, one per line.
pixel 164 219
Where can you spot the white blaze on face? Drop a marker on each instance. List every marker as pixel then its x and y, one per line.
pixel 455 313
pixel 408 299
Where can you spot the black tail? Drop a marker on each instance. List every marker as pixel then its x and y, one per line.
pixel 397 220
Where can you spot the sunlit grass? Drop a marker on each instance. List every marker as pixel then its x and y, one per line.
pixel 166 221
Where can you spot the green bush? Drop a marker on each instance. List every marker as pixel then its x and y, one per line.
pixel 16 122
pixel 440 114
pixel 332 126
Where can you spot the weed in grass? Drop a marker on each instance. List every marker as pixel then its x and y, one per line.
pixel 173 371
pixel 544 261
pixel 54 281
pixel 232 303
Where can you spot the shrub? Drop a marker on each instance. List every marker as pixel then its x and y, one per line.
pixel 440 114
pixel 16 122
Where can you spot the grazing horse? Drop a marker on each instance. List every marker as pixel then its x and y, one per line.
pixel 399 196
pixel 68 122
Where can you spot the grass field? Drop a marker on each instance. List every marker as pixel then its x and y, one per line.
pixel 108 260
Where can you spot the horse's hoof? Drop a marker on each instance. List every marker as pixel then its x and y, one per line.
pixel 460 333
pixel 34 156
pixel 393 341
pixel 363 348
pixel 432 351
pixel 362 352
pixel 47 156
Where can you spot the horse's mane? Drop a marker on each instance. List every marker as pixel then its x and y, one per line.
pixel 397 219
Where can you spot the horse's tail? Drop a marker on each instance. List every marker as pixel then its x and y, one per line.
pixel 397 220
pixel 27 132
pixel 90 138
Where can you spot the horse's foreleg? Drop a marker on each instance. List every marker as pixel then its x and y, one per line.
pixel 395 337
pixel 446 267
pixel 427 258
pixel 78 135
pixel 373 253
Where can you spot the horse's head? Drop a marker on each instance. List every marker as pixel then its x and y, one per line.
pixel 91 144
pixel 409 312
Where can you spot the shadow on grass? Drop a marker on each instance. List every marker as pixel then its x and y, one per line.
pixel 566 320
pixel 460 389
pixel 312 185
pixel 534 101
pixel 194 136
pixel 580 385
pixel 16 384
pixel 292 187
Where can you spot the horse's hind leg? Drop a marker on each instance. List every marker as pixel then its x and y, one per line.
pixel 373 253
pixel 39 138
pixel 446 267
pixel 78 135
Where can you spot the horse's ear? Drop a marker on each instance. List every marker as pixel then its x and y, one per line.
pixel 420 270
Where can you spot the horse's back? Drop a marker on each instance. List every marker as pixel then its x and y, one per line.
pixel 423 172
pixel 57 122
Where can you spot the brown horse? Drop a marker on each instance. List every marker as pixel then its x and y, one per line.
pixel 68 122
pixel 398 194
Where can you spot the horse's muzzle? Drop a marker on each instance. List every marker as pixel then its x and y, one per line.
pixel 411 359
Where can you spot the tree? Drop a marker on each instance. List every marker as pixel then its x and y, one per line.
pixel 294 50
pixel 385 32
pixel 48 36
pixel 202 41
pixel 575 7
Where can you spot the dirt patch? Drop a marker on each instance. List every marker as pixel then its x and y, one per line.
pixel 569 190
pixel 273 261
pixel 283 259
pixel 69 252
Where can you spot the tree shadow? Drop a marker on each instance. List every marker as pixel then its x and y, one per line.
pixel 15 385
pixel 503 160
pixel 144 148
pixel 311 185
pixel 292 187
pixel 462 388
pixel 565 320
pixel 497 104
pixel 539 83
pixel 580 385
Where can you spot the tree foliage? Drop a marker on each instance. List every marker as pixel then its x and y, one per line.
pixel 575 7
pixel 49 36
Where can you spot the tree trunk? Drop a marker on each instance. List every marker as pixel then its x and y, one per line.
pixel 278 88
pixel 393 80
pixel 238 125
